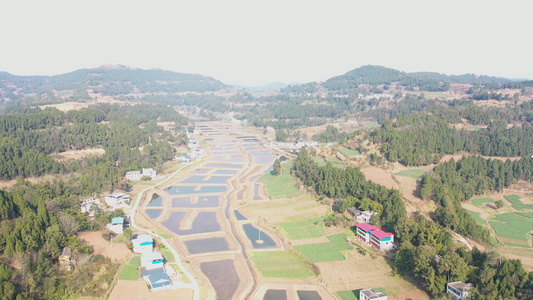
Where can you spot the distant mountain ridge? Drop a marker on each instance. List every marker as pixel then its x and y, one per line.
pixel 425 81
pixel 109 80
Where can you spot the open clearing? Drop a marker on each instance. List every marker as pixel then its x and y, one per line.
pixel 330 251
pixel 378 175
pixel 311 228
pixel 362 272
pixel 280 186
pixel 77 154
pixel 118 251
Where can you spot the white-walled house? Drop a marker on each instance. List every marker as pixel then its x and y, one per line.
pixel 118 200
pixel 149 172
pixel 116 225
pixel 366 215
pixel 370 294
pixel 458 289
pixel 143 243
pixel 133 175
pixel 87 205
pixel 152 260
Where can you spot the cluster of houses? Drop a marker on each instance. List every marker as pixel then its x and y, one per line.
pixel 89 205
pixel 153 268
pixel 137 175
pixel 197 152
pixel 379 239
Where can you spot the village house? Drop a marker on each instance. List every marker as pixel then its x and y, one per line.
pixel 458 289
pixel 366 215
pixel 363 231
pixel 370 294
pixel 382 240
pixel 159 281
pixel 133 175
pixel 116 225
pixel 354 212
pixel 137 175
pixel 192 144
pixel 152 260
pixel 118 200
pixel 88 205
pixel 149 172
pixel 142 243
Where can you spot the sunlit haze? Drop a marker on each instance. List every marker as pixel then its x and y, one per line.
pixel 256 42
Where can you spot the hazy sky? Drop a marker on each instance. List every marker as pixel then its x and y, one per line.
pixel 265 41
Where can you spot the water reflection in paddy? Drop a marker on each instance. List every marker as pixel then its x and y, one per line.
pixel 224 172
pixel 204 222
pixel 254 235
pixel 200 171
pixel 261 153
pixel 223 166
pixel 156 201
pixel 265 159
pixel 239 216
pixel 275 295
pixel 153 213
pixel 203 201
pixel 308 295
pixel 214 244
pixel 202 179
pixel 184 190
pixel 256 193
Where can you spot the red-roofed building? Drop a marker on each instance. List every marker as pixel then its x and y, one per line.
pixel 382 240
pixel 364 230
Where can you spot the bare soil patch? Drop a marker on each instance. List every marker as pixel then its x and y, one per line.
pixel 118 252
pixel 361 272
pixel 127 289
pixel 77 154
pixel 378 175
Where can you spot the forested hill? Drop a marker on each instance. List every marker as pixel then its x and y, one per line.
pixel 106 80
pixel 371 75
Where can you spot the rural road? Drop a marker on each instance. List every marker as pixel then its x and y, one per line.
pixel 194 284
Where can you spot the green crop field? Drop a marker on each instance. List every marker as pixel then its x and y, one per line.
pixel 481 201
pixel 513 226
pixel 517 203
pixel 477 217
pixel 281 264
pixel 311 228
pixel 349 295
pixel 282 186
pixel 349 152
pixel 136 260
pixel 526 214
pixel 129 272
pixel 413 173
pixel 334 160
pixel 331 251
